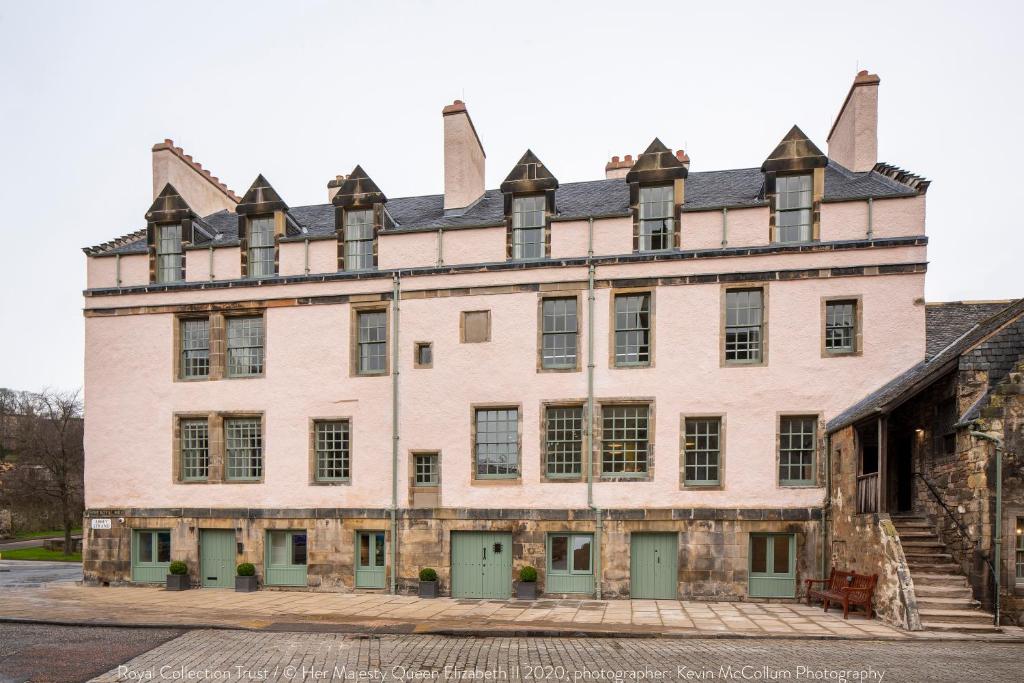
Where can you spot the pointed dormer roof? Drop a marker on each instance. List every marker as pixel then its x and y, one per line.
pixel 358 190
pixel 261 197
pixel 657 164
pixel 168 207
pixel 795 153
pixel 529 175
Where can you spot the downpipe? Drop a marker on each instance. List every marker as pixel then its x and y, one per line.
pixel 396 293
pixel 598 521
pixel 827 509
pixel 997 550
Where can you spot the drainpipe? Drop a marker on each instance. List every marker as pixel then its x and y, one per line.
pixel 871 218
pixel 305 256
pixel 598 522
pixel 440 246
pixel 396 292
pixel 725 226
pixel 212 276
pixel 826 511
pixel 117 269
pixel 997 552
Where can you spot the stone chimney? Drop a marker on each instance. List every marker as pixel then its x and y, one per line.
pixel 201 190
pixel 463 159
pixel 334 185
pixel 853 140
pixel 618 168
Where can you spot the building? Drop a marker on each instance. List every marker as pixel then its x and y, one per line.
pixel 624 382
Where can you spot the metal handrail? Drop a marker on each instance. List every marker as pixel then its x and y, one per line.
pixel 960 528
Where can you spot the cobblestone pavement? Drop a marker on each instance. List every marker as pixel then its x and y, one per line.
pixel 59 654
pixel 246 657
pixel 291 610
pixel 29 574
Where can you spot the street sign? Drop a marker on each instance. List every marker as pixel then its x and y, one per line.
pixel 100 523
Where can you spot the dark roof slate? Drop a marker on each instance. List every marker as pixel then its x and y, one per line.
pixel 705 190
pixel 894 392
pixel 947 320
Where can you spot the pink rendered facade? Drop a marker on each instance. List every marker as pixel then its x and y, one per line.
pixel 866 249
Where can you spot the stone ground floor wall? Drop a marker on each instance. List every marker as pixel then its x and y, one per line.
pixel 713 544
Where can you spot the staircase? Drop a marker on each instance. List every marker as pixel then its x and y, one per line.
pixel 944 598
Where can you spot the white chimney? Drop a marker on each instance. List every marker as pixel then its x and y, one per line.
pixel 463 159
pixel 201 190
pixel 853 140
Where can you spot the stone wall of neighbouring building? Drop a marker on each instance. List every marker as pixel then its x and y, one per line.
pixel 712 548
pixel 868 543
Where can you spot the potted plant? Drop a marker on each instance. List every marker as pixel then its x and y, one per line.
pixel 178 579
pixel 428 583
pixel 245 582
pixel 526 589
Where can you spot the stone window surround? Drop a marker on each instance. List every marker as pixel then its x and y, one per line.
pixel 415 488
pixel 817 194
pixel 858 325
pixel 562 403
pixel 313 480
pixel 378 213
pixel 375 306
pixel 678 195
pixel 416 346
pixel 463 339
pixel 217 450
pixel 720 486
pixel 576 293
pixel 598 427
pixel 765 319
pixel 817 466
pixel 626 291
pixel 474 480
pixel 243 243
pixel 548 213
pixel 218 340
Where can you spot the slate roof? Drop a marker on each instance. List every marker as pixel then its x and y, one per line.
pixel 705 190
pixel 947 320
pixel 908 384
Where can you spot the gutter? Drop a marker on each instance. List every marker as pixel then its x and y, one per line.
pixel 598 522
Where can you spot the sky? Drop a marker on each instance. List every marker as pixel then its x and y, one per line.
pixel 304 90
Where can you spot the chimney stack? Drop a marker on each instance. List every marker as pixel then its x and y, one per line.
pixel 463 160
pixel 619 167
pixel 853 140
pixel 203 191
pixel 334 185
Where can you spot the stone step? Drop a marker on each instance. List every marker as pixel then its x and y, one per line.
pixel 930 579
pixel 912 523
pixel 933 568
pixel 925 591
pixel 954 627
pixel 929 557
pixel 954 616
pixel 918 535
pixel 945 602
pixel 938 546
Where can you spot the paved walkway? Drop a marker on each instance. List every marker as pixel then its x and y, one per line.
pixel 299 611
pixel 27 573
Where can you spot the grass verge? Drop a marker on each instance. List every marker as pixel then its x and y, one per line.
pixel 40 554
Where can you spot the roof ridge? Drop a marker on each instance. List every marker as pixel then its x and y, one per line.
pixel 114 243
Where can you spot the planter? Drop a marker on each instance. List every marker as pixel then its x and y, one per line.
pixel 178 582
pixel 526 590
pixel 428 589
pixel 245 584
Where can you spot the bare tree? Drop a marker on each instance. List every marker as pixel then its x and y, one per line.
pixel 50 466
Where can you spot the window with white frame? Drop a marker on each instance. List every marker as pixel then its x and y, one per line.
pixel 195 449
pixel 841 326
pixel 798 444
pixel 260 261
pixel 744 325
pixel 372 342
pixel 333 450
pixel 563 441
pixel 657 219
pixel 245 346
pixel 358 239
pixel 702 451
pixel 243 440
pixel 793 203
pixel 632 329
pixel 169 253
pixel 559 333
pixel 195 348
pixel 624 440
pixel 497 443
pixel 528 227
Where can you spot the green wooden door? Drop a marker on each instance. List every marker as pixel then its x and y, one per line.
pixel 481 564
pixel 570 566
pixel 217 558
pixel 653 566
pixel 370 556
pixel 285 558
pixel 772 566
pixel 151 555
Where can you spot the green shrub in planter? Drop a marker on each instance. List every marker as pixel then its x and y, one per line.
pixel 428 583
pixel 178 568
pixel 246 581
pixel 528 574
pixel 526 589
pixel 428 574
pixel 246 569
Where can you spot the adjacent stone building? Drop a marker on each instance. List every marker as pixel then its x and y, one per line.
pixel 624 381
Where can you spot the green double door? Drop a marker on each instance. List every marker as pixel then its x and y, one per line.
pixel 653 566
pixel 371 553
pixel 217 558
pixel 481 564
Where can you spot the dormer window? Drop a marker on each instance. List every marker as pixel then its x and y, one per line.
pixel 657 209
pixel 528 227
pixel 358 239
pixel 793 206
pixel 169 253
pixel 261 246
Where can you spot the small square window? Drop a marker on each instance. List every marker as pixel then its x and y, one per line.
pixel 427 473
pixel 476 327
pixel 424 355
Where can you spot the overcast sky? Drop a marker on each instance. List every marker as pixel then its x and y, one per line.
pixel 302 91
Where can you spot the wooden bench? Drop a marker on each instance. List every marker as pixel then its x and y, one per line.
pixel 848 589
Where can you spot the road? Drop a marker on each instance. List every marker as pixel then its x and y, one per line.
pixel 18 573
pixel 312 657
